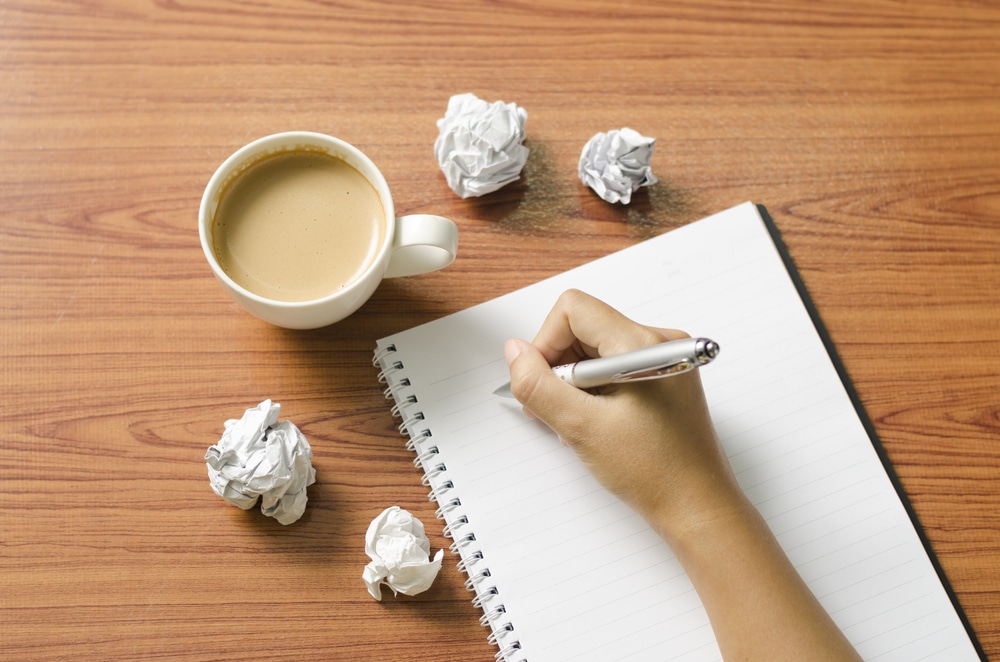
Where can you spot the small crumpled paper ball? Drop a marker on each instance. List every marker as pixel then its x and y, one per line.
pixel 615 164
pixel 400 554
pixel 258 457
pixel 479 145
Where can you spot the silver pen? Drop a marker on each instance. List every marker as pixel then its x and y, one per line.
pixel 663 360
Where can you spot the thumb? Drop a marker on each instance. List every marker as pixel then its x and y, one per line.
pixel 542 394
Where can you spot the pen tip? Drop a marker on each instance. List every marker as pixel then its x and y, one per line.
pixel 504 391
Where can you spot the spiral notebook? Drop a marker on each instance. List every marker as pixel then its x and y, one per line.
pixel 562 570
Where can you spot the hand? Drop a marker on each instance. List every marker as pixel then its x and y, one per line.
pixel 653 444
pixel 650 443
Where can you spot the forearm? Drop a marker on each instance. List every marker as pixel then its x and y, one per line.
pixel 759 607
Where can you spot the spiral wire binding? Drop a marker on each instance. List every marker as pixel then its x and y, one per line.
pixel 389 389
pixel 475 579
pixel 386 373
pixel 456 523
pixel 405 425
pixel 447 507
pixel 381 353
pixel 469 561
pixel 424 456
pixel 462 542
pixel 486 594
pixel 494 636
pixel 435 493
pixel 459 521
pixel 432 473
pixel 396 411
pixel 507 650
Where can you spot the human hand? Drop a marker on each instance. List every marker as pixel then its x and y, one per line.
pixel 653 444
pixel 650 443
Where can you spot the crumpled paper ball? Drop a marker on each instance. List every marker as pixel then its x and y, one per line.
pixel 258 457
pixel 615 164
pixel 479 145
pixel 400 554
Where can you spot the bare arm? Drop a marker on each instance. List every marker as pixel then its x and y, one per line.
pixel 654 446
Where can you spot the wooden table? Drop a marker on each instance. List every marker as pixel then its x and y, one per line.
pixel 871 130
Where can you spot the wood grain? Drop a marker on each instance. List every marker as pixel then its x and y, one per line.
pixel 870 130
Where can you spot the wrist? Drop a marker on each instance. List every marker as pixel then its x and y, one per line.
pixel 702 513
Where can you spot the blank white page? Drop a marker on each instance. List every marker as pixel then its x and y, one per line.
pixel 574 573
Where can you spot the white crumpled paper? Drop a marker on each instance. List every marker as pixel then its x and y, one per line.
pixel 615 164
pixel 479 144
pixel 260 457
pixel 400 554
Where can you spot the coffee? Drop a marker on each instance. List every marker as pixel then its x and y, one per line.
pixel 297 226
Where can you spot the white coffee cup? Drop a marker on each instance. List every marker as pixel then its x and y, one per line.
pixel 413 244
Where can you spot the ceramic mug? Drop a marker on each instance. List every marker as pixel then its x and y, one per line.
pixel 399 246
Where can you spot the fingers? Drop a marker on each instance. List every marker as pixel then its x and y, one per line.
pixel 542 394
pixel 577 328
pixel 580 326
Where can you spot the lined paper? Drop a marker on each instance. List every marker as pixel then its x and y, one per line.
pixel 578 574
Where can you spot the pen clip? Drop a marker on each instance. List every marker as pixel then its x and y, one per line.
pixel 655 372
pixel 704 351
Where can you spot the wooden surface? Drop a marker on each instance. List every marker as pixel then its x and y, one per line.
pixel 871 130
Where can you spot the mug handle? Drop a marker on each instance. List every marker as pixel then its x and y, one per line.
pixel 422 243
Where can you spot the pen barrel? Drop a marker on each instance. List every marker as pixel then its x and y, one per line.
pixel 662 360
